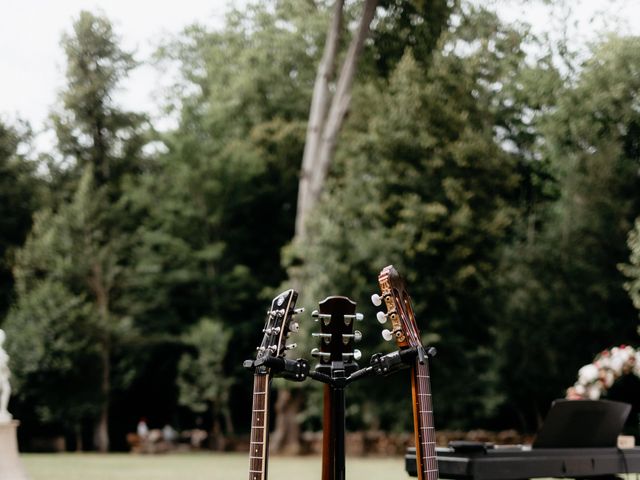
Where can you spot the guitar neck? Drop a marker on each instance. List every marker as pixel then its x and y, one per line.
pixel 328 449
pixel 425 433
pixel 259 448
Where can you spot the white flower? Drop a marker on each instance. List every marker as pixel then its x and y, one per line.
pixel 593 392
pixel 588 374
pixel 636 366
pixel 609 378
pixel 618 359
pixel 596 378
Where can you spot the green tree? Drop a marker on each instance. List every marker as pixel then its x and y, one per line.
pixel 54 359
pixel 91 129
pixel 81 247
pixel 422 182
pixel 20 195
pixel 563 293
pixel 632 270
pixel 71 253
pixel 232 165
pixel 203 385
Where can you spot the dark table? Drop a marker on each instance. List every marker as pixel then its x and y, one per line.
pixel 521 462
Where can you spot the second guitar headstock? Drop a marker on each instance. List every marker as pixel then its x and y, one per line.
pixel 337 316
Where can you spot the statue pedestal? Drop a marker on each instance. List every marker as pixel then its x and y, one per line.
pixel 10 465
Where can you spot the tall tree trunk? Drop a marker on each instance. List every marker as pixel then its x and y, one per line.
pixel 78 434
pixel 320 102
pixel 101 437
pixel 286 436
pixel 326 117
pixel 101 291
pixel 218 440
pixel 226 415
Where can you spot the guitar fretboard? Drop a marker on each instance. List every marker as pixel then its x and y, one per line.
pixel 425 429
pixel 259 428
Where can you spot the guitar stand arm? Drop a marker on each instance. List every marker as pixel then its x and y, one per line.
pixel 340 381
pixel 295 370
pixel 399 360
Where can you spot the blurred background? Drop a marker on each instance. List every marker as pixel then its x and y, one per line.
pixel 150 179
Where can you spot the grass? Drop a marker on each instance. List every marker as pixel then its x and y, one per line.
pixel 204 466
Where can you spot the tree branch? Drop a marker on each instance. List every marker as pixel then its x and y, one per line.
pixel 341 101
pixel 318 112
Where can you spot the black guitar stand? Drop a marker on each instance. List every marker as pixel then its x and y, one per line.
pixel 338 375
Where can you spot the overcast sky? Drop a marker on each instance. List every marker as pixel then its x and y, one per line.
pixel 32 62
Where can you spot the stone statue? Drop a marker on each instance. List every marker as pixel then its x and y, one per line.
pixel 5 388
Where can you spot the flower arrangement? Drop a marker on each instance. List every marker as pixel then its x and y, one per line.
pixel 597 377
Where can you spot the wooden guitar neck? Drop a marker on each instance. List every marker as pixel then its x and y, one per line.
pixel 327 436
pixel 259 448
pixel 424 429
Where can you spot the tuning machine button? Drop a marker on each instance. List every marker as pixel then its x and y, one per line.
pixel 294 327
pixel 376 299
pixel 357 336
pixel 357 355
pixel 298 310
pixel 387 334
pixel 291 346
pixel 381 317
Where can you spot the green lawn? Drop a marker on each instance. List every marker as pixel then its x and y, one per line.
pixel 205 466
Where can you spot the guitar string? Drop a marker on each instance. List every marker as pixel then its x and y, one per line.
pixel 430 467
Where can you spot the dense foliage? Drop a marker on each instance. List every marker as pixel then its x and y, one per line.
pixel 136 265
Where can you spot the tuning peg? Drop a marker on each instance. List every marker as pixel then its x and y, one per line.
pixel 294 327
pixel 432 352
pixel 387 334
pixel 298 310
pixel 376 299
pixel 317 353
pixel 290 346
pixel 348 318
pixel 325 336
pixel 272 331
pixel 326 318
pixel 381 316
pixel 357 336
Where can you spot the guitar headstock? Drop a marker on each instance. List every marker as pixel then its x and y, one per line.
pixel 337 316
pixel 399 309
pixel 278 325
